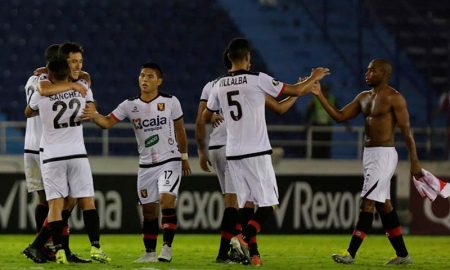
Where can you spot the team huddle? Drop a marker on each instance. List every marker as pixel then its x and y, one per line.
pixel 59 99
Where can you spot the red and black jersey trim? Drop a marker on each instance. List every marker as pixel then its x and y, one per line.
pixel 64 158
pixel 267 152
pixel 159 163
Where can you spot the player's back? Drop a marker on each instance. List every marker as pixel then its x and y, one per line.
pixel 62 131
pixel 242 98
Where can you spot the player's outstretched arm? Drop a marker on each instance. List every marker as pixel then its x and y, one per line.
pixel 200 137
pixel 47 88
pixel 303 87
pixel 105 122
pixel 349 111
pixel 279 107
pixel 402 116
pixel 180 135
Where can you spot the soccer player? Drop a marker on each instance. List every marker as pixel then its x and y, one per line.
pixel 232 218
pixel 33 133
pixel 33 172
pixel 73 52
pixel 241 96
pixel 162 144
pixel 383 108
pixel 65 167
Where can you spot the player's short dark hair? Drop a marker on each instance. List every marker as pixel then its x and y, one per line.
pixel 226 60
pixel 51 52
pixel 58 68
pixel 70 47
pixel 155 67
pixel 238 48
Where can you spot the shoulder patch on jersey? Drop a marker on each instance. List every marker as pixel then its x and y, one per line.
pixel 133 98
pixel 165 95
pixel 275 82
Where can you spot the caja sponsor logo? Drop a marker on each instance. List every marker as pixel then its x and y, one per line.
pixel 152 122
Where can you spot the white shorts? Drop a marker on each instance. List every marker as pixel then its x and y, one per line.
pixel 71 177
pixel 255 181
pixel 164 178
pixel 32 165
pixel 220 164
pixel 379 167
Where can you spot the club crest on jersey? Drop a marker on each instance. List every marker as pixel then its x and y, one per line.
pixel 152 140
pixel 161 106
pixel 275 82
pixel 144 193
pixel 152 122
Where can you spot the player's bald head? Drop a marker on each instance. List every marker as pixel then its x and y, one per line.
pixel 385 66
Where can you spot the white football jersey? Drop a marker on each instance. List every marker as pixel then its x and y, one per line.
pixel 218 135
pixel 33 130
pixel 153 126
pixel 62 131
pixel 241 96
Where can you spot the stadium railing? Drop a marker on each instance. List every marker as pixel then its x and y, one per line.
pixel 296 141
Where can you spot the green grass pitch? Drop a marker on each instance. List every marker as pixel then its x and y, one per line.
pixel 277 252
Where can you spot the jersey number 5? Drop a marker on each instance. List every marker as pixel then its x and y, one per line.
pixel 62 106
pixel 232 102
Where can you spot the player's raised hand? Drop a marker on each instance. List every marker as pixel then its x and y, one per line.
pixel 79 88
pixel 319 72
pixel 40 70
pixel 316 89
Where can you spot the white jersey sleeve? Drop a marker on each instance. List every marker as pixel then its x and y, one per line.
pixel 213 100
pixel 206 91
pixel 176 112
pixel 270 85
pixel 89 94
pixel 34 101
pixel 120 112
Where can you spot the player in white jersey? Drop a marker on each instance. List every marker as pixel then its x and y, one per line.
pixel 158 124
pixel 33 134
pixel 33 173
pixel 232 217
pixel 73 52
pixel 64 164
pixel 241 97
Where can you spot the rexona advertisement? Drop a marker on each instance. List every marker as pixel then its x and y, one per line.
pixel 308 204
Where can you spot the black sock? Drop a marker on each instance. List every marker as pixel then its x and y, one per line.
pixel 394 232
pixel 150 234
pixel 40 214
pixel 43 236
pixel 92 224
pixel 245 214
pixel 65 233
pixel 362 227
pixel 169 225
pixel 56 228
pixel 254 227
pixel 228 227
